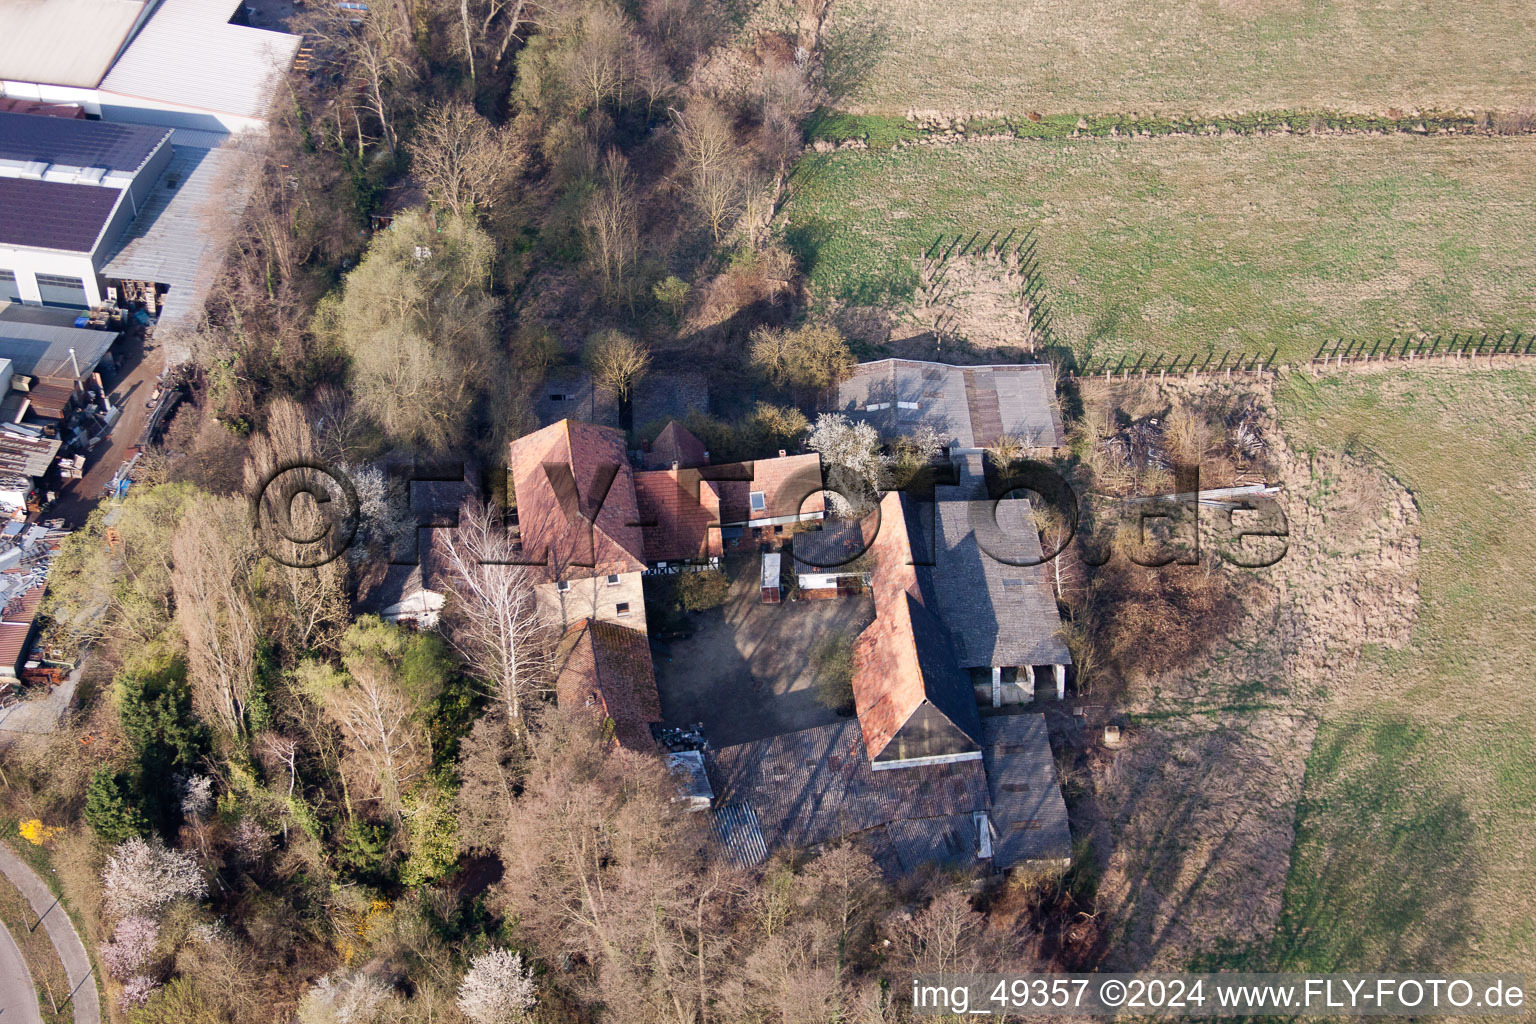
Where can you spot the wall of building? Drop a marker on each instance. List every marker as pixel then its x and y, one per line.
pixel 131 109
pixel 595 598
pixel 26 264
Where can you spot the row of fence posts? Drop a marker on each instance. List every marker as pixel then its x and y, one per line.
pixel 1471 346
pixel 1178 366
pixel 943 249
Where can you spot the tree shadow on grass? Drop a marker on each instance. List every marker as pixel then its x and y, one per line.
pixel 1386 858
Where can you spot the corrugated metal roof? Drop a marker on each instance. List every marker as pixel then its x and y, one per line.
pixel 188 54
pixel 999 614
pixel 54 215
pixel 62 140
pixel 174 240
pixel 37 347
pixel 1029 817
pixel 967 405
pixel 63 42
pixel 737 828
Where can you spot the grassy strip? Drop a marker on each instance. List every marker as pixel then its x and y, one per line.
pixel 42 960
pixel 1191 245
pixel 36 857
pixel 885 130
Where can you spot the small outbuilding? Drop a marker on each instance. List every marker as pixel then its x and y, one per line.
pixel 771 593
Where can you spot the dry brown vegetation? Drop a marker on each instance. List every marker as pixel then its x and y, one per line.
pixel 1193 818
pixel 1171 57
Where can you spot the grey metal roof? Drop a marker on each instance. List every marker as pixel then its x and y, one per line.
pixel 579 399
pixel 38 344
pixel 55 215
pixel 78 143
pixel 668 395
pixel 999 614
pixel 970 406
pixel 27 456
pixel 190 55
pixel 1029 817
pixel 838 545
pixel 738 830
pixel 915 842
pixel 817 785
pixel 176 236
pixel 63 42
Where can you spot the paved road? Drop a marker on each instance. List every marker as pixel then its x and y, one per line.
pixel 18 998
pixel 61 932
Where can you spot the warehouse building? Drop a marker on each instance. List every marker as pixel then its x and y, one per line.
pixel 183 64
pixel 70 189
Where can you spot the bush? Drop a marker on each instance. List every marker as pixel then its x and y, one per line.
pixel 833 658
pixel 108 811
pixel 699 591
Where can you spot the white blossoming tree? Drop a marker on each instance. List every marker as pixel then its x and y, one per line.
pixel 133 945
pixel 851 461
pixel 497 989
pixel 346 997
pixel 141 877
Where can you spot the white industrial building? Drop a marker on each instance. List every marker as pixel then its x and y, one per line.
pixel 133 177
pixel 70 190
pixel 177 63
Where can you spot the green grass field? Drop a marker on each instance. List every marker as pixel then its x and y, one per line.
pixel 1195 56
pixel 1414 833
pixel 1181 245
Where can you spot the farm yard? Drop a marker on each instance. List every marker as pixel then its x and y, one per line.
pixel 1216 56
pixel 1184 245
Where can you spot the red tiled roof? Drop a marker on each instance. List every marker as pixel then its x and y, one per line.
pixel 607 668
pixel 13 643
pixel 791 486
pixel 16 629
pixel 681 513
pixel 559 476
pixel 676 443
pixel 23 607
pixel 902 660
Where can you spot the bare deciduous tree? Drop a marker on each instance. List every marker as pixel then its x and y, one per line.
pixel 811 356
pixel 493 612
pixel 374 41
pixel 462 160
pixel 417 319
pixel 314 597
pixel 214 553
pixel 387 750
pixel 618 362
pixel 611 226
pixel 711 163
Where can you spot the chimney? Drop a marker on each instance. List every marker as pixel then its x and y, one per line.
pixel 674 464
pixel 782 453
